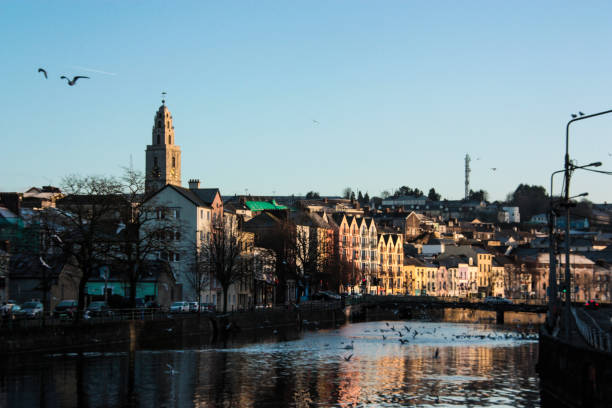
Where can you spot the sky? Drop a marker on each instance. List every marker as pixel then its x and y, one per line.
pixel 277 97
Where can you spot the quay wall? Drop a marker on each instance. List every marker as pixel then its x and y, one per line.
pixel 572 375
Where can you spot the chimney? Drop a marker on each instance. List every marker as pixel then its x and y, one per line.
pixel 194 184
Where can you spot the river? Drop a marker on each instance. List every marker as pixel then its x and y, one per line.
pixel 359 364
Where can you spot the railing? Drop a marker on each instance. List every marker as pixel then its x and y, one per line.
pixel 592 333
pixel 113 315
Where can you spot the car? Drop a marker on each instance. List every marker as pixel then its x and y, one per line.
pixel 194 307
pixel 496 300
pixel 207 307
pixel 326 295
pixel 31 310
pixel 179 307
pixel 591 304
pixel 98 309
pixel 152 304
pixel 15 312
pixel 65 309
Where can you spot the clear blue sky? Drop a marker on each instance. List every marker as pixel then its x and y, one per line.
pixel 402 90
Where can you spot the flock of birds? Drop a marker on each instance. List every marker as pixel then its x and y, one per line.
pixel 405 334
pixel 71 82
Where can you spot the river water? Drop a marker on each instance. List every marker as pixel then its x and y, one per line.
pixel 439 364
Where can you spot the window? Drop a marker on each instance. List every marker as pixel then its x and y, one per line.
pixel 208 215
pixel 158 140
pixel 155 158
pixel 173 162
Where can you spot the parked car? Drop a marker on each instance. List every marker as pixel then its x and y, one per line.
pixel 496 300
pixel 31 310
pixel 193 307
pixel 179 307
pixel 15 312
pixel 65 309
pixel 152 304
pixel 98 309
pixel 591 304
pixel 207 307
pixel 326 295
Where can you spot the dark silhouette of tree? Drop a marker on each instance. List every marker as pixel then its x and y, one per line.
pixel 142 231
pixel 479 195
pixel 312 194
pixel 407 191
pixel 225 256
pixel 531 200
pixel 366 198
pixel 85 223
pixel 346 193
pixel 433 196
pixel 360 197
pixel 352 196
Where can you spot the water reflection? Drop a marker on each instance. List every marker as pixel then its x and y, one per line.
pixel 477 365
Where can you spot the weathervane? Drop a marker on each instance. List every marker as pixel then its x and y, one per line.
pixel 163 97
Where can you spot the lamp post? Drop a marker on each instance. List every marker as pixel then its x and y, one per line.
pixel 568 172
pixel 552 276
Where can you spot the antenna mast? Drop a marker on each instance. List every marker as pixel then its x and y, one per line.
pixel 467 176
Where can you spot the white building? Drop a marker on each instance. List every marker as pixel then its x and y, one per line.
pixel 514 215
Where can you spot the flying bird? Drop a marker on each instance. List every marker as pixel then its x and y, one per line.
pixel 493 168
pixel 348 358
pixel 73 82
pixel 43 71
pixel 316 122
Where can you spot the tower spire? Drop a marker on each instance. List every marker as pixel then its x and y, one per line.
pixel 164 98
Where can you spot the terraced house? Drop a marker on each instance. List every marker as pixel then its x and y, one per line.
pixel 357 245
pixel 391 279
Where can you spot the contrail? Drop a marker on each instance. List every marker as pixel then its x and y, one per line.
pixel 93 70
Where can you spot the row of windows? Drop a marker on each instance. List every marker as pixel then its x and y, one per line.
pixel 169 256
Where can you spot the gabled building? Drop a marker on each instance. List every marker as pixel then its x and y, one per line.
pixel 194 212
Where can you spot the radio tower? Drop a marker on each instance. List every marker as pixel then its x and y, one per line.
pixel 467 176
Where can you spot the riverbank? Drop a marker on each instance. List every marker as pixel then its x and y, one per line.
pixel 193 330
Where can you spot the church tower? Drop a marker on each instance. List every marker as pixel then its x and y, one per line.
pixel 163 163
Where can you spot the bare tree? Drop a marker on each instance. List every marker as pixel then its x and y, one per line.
pixel 85 223
pixel 142 232
pixel 198 274
pixel 225 256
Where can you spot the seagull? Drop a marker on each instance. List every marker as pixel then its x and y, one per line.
pixel 493 168
pixel 349 346
pixel 171 371
pixel 404 341
pixel 574 115
pixel 43 263
pixel 580 113
pixel 316 122
pixel 43 71
pixel 348 358
pixel 384 337
pixel 73 82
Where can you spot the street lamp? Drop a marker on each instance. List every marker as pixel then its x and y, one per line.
pixel 552 257
pixel 568 171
